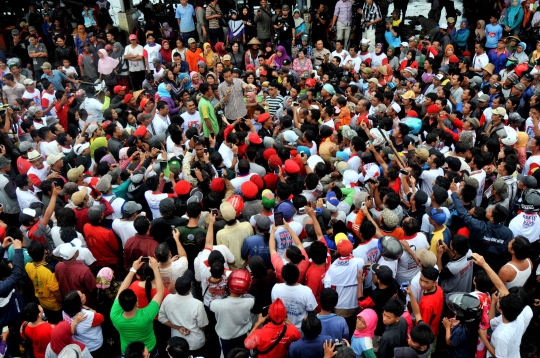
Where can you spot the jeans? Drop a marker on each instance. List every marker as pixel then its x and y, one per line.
pixel 228 345
pixel 187 35
pixel 287 44
pixel 343 33
pixel 136 78
pixel 216 35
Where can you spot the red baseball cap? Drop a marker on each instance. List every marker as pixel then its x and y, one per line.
pixel 254 138
pixel 182 187
pixel 217 185
pixel 345 247
pixel 144 101
pixel 263 118
pixel 117 89
pixel 412 113
pixel 132 37
pixel 291 167
pixel 141 131
pixel 258 181
pixel 433 108
pixel 127 98
pixel 249 190
pixel 310 82
pixel 275 161
pixel 454 59
pixel 268 153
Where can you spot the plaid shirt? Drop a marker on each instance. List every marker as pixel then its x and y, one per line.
pixel 371 13
pixel 343 11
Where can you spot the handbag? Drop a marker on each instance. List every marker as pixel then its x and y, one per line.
pixel 274 345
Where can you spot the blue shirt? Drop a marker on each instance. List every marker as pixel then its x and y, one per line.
pixel 493 35
pixel 255 246
pixel 56 79
pixel 498 60
pixel 391 40
pixel 308 348
pixel 186 18
pixel 334 326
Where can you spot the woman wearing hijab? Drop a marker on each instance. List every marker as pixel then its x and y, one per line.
pixel 448 52
pixel 378 58
pixel 60 338
pixel 269 53
pixel 164 93
pixel 362 339
pixel 81 38
pixel 209 57
pixel 166 51
pixel 118 51
pixel 202 68
pixel 220 50
pixel 237 56
pixel 410 60
pixel 480 31
pixel 393 60
pixel 462 37
pixel 520 53
pixel 299 25
pixel 236 31
pixel 175 85
pixel 107 68
pixel 513 18
pixel 251 103
pixel 168 32
pixel 281 55
pixel 185 80
pixel 249 25
pixel 195 80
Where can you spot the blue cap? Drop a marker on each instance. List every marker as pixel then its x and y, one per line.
pixel 331 198
pixel 343 156
pixel 438 216
pixel 287 208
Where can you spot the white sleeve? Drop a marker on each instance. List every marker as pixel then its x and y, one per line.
pixel 311 303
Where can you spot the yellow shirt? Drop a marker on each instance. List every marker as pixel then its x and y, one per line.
pixel 45 284
pixel 233 237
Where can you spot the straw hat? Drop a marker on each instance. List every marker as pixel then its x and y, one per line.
pixel 254 41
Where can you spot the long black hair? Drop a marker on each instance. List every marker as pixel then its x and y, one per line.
pixel 148 274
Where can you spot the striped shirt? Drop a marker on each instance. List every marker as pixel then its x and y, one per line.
pixel 234 107
pixel 343 11
pixel 371 13
pixel 274 103
pixel 210 11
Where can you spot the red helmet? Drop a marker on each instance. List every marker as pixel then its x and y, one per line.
pixel 238 203
pixel 239 281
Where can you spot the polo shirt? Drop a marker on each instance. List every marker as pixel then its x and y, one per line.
pixel 56 79
pixel 186 14
pixel 75 275
pixel 137 246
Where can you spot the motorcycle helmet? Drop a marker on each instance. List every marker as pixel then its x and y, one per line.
pixel 508 135
pixel 239 281
pixel 14 61
pixel 414 124
pixel 238 203
pixel 390 247
pixel 530 201
pixel 466 306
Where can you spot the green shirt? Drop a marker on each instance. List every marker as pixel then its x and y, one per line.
pixel 137 328
pixel 206 110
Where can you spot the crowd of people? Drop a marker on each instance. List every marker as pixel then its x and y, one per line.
pixel 271 181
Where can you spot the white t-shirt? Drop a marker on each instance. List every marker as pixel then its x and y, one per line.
pixel 171 273
pixel 135 66
pixel 526 224
pixel 227 254
pixel 506 337
pixel 238 181
pixel 297 299
pixel 342 275
pixel 55 235
pixel 124 229
pixel 284 239
pixel 159 124
pixel 227 154
pixel 428 178
pixel 153 202
pixel 25 198
pixel 46 100
pixel 479 175
pixel 343 55
pixel 117 204
pixel 354 162
pixel 152 52
pixel 191 120
pixel 94 109
pixel 36 96
pixel 407 267
pixel 369 252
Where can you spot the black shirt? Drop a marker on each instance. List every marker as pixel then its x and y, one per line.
pixel 285 32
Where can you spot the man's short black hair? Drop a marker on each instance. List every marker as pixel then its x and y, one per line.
pixel 394 306
pixel 422 334
pixel 193 210
pixel 311 326
pixel 511 306
pixel 127 300
pixel 318 252
pixel 141 225
pixel 290 273
pixel 460 244
pixel 431 273
pixel 521 247
pixel 329 299
pixel 36 250
pixel 500 214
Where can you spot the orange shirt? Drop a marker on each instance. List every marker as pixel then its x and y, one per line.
pixel 192 58
pixel 345 116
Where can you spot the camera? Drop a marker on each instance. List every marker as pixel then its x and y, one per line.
pixel 15 108
pixel 425 43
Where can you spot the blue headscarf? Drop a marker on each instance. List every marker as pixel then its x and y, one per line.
pixel 466 27
pixel 187 85
pixel 162 90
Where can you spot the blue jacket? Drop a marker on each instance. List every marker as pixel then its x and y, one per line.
pixel 460 38
pixel 391 40
pixel 487 239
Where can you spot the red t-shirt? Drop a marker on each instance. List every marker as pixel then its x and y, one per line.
pixel 314 276
pixel 263 338
pixel 23 165
pixel 278 264
pixel 40 336
pixel 62 113
pixel 141 294
pixel 431 305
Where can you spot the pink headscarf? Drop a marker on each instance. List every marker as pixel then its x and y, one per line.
pixel 370 317
pixel 251 97
pixel 106 64
pixel 193 73
pixel 104 278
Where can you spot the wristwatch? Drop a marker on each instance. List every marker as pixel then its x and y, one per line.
pixel 235 155
pixel 132 270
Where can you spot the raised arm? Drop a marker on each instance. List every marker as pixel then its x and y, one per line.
pixel 129 278
pixel 160 288
pixel 179 247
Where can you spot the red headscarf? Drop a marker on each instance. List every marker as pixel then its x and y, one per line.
pixel 166 55
pixel 61 336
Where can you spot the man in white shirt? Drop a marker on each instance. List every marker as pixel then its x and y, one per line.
pixel 342 54
pixel 480 59
pixel 151 51
pixel 93 107
pixel 124 227
pixel 188 322
pixel 478 173
pixel 191 117
pixel 229 151
pixel 161 120
pixel 435 162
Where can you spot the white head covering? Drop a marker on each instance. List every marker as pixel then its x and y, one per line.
pixel 106 64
